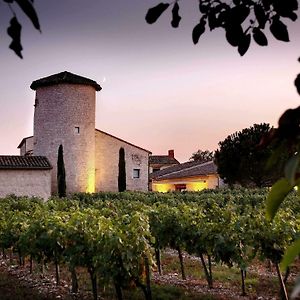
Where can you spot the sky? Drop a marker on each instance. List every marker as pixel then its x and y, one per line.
pixel 160 91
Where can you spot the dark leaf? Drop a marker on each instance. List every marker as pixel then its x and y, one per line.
pixel 203 8
pixel 259 37
pixel 198 30
pixel 266 4
pixel 285 8
pixel 155 12
pixel 234 34
pixel 239 14
pixel 175 15
pixel 212 21
pixel 14 31
pixel 236 2
pixel 297 83
pixel 292 16
pixel 260 16
pixel 29 10
pixel 279 30
pixel 244 44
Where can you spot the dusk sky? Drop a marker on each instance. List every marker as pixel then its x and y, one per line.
pixel 160 91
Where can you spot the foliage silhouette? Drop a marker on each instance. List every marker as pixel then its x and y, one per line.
pixel 15 28
pixel 61 173
pixel 122 171
pixel 241 161
pixel 202 156
pixel 241 19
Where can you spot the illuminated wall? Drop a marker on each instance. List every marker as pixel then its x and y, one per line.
pixel 196 186
pixel 163 187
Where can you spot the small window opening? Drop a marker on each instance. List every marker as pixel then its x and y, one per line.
pixel 77 130
pixel 136 173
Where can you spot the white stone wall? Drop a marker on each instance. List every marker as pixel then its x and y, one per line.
pixel 25 183
pixel 107 160
pixel 58 110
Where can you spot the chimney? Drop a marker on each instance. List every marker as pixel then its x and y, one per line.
pixel 171 153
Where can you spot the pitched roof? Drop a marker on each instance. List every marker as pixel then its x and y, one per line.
pixel 23 141
pixel 64 77
pixel 108 134
pixel 162 160
pixel 188 169
pixel 24 162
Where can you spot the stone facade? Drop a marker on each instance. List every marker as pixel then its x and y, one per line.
pixel 65 114
pixel 107 159
pixel 191 184
pixel 35 183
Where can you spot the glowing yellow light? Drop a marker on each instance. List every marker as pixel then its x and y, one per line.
pixel 91 183
pixel 162 187
pixel 196 186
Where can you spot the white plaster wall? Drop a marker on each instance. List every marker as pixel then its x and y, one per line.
pixel 25 183
pixel 107 160
pixel 58 110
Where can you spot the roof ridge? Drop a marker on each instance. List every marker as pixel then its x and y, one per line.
pixel 186 169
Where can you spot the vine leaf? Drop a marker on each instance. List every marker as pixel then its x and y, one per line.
pixel 259 37
pixel 234 34
pixel 279 30
pixel 291 167
pixel 260 16
pixel 29 10
pixel 297 83
pixel 198 30
pixel 14 31
pixel 175 15
pixel 290 254
pixel 155 12
pixel 276 196
pixel 244 44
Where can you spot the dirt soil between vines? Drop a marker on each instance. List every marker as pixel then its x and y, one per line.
pixel 16 283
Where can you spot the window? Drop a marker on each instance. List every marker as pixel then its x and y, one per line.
pixel 77 129
pixel 136 173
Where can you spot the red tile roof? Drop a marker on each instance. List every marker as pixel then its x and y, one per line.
pixel 24 162
pixel 64 77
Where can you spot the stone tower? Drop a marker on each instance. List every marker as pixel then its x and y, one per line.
pixel 65 114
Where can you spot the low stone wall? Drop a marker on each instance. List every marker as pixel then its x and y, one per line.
pixel 25 183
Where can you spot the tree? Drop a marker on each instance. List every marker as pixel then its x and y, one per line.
pixel 241 161
pixel 122 171
pixel 15 28
pixel 61 173
pixel 240 19
pixel 202 156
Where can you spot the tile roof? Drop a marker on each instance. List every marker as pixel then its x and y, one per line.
pixel 162 160
pixel 64 77
pixel 24 162
pixel 188 169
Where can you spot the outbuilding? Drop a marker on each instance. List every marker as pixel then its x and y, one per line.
pixel 25 176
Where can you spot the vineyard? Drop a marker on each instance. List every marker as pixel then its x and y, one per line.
pixel 118 238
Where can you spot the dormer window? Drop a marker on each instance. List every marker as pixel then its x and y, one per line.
pixel 77 130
